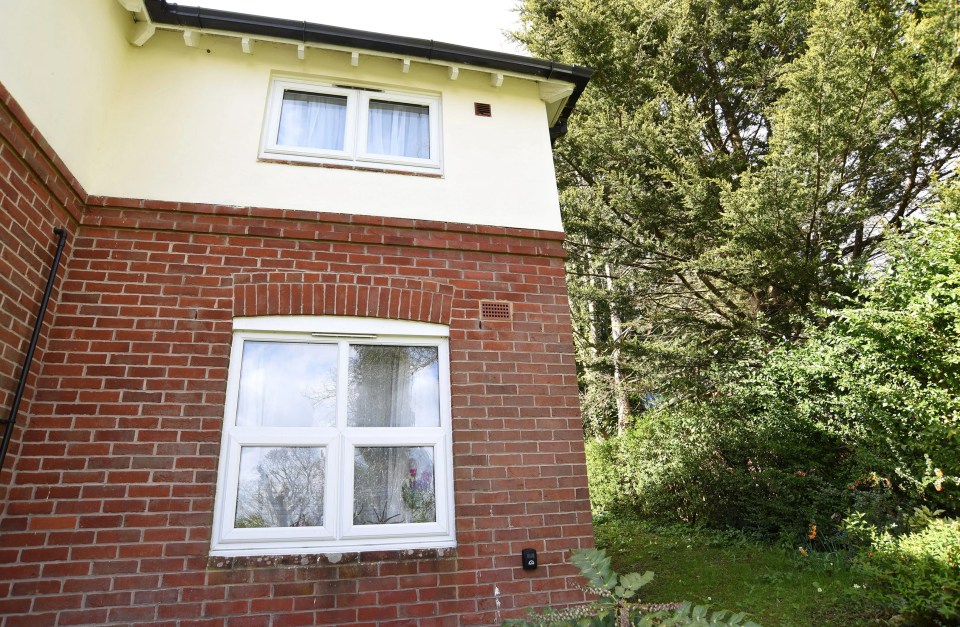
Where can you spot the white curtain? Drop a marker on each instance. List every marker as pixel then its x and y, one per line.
pixel 312 120
pixel 398 129
pixel 393 485
pixel 393 387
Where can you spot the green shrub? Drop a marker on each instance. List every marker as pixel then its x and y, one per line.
pixel 607 493
pixel 858 414
pixel 917 574
pixel 712 472
pixel 617 602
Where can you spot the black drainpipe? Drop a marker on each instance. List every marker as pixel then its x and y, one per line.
pixel 11 421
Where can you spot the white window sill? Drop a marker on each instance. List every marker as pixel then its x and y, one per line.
pixel 372 167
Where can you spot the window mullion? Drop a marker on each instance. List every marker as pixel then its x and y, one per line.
pixel 354 122
pixel 338 476
pixel 343 374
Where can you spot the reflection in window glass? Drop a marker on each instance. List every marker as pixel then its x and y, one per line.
pixel 393 485
pixel 285 384
pixel 280 487
pixel 393 386
pixel 309 120
pixel 336 437
pixel 398 129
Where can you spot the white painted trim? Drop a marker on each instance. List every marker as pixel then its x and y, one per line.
pixel 247 436
pixel 552 92
pixel 338 533
pixel 355 134
pixel 432 438
pixel 432 103
pixel 271 125
pixel 355 55
pixel 409 544
pixel 346 325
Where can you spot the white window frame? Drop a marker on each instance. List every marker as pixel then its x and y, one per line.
pixel 355 132
pixel 338 534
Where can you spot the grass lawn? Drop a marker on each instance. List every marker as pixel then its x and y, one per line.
pixel 726 571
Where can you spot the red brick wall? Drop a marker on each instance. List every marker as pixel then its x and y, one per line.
pixel 109 513
pixel 34 198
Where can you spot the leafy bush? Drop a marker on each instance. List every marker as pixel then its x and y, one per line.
pixel 918 573
pixel 617 602
pixel 675 468
pixel 862 415
pixel 607 494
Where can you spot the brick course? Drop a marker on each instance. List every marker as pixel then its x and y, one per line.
pixel 35 197
pixel 108 513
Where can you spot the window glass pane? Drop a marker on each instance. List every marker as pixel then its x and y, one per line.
pixel 398 129
pixel 281 486
pixel 393 386
pixel 312 120
pixel 393 485
pixel 286 384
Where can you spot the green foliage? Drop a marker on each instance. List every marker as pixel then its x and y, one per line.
pixel 761 212
pixel 598 403
pixel 595 567
pixel 862 415
pixel 608 492
pixel 917 573
pixel 678 468
pixel 617 603
pixel 734 167
pixel 777 585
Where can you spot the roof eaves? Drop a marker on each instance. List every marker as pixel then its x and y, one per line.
pixel 163 12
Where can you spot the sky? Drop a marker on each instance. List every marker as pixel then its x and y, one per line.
pixel 475 23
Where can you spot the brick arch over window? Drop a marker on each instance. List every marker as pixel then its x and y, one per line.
pixel 298 293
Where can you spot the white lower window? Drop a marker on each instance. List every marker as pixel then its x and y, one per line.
pixel 326 123
pixel 336 437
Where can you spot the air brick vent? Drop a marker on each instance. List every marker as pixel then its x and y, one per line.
pixel 482 109
pixel 494 310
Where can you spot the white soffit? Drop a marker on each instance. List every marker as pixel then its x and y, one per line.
pixel 554 93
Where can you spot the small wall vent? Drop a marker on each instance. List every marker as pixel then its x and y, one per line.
pixel 482 109
pixel 494 310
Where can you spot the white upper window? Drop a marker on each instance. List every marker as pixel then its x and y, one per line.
pixel 336 437
pixel 353 126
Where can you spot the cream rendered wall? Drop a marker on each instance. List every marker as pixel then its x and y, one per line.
pixel 169 122
pixel 61 60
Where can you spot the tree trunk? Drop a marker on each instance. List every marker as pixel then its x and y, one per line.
pixel 619 386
